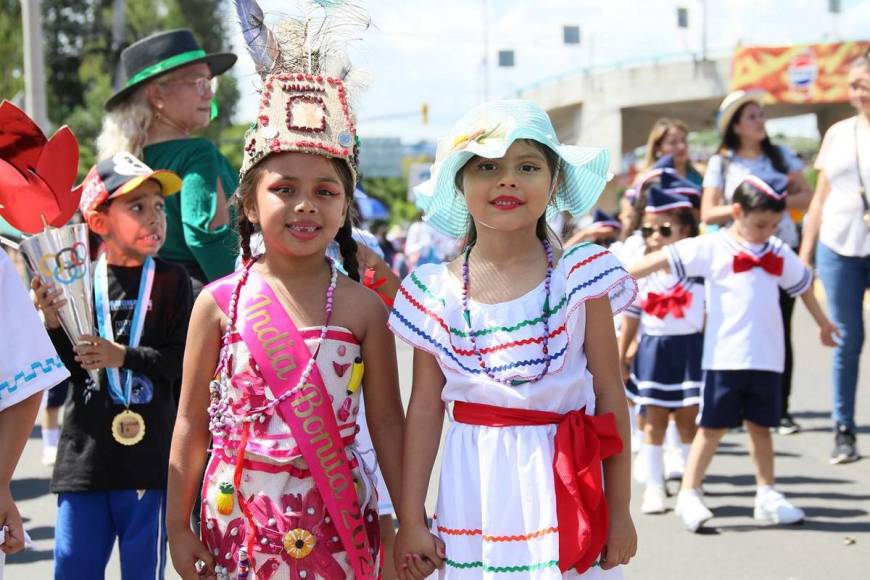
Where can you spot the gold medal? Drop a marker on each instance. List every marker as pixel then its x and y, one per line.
pixel 128 427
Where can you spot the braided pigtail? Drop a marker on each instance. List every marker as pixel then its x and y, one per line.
pixel 246 230
pixel 347 247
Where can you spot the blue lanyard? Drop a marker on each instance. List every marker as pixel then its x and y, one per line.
pixel 104 320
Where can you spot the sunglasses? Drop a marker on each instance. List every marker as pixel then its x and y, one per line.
pixel 665 230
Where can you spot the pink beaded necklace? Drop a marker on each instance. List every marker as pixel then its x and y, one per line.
pixel 220 414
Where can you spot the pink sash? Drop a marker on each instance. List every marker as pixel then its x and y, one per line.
pixel 279 349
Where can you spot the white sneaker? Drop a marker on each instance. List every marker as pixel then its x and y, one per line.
pixel 691 510
pixel 674 464
pixel 49 455
pixel 771 506
pixel 653 500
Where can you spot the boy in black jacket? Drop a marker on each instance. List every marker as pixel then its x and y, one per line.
pixel 111 468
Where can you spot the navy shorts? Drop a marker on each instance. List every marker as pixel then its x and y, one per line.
pixel 730 397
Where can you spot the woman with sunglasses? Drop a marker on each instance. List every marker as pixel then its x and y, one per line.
pixel 665 376
pixel 746 149
pixel 168 95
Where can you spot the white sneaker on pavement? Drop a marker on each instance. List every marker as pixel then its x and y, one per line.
pixel 771 506
pixel 653 500
pixel 691 510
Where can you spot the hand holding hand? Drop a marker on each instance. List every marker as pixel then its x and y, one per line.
pixel 417 553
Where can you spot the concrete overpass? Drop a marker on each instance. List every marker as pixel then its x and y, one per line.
pixel 615 108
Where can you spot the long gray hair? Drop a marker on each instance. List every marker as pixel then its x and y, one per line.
pixel 125 128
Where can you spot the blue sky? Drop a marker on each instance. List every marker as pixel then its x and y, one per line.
pixel 425 51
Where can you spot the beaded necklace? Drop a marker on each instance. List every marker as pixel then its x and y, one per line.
pixel 466 312
pixel 220 415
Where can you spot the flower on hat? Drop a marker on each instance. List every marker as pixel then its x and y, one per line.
pixel 462 141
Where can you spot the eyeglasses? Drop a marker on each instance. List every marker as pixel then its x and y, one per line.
pixel 665 230
pixel 204 85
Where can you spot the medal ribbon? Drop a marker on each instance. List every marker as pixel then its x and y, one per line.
pixel 104 320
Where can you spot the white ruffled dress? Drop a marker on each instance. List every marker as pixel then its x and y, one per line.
pixel 496 509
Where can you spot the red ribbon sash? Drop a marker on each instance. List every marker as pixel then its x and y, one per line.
pixel 281 355
pixel 769 262
pixel 675 302
pixel 582 442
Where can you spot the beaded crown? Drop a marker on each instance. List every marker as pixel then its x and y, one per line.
pixel 307 81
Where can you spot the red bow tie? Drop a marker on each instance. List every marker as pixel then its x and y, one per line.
pixel 769 262
pixel 674 301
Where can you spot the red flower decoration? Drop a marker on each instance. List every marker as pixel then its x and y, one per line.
pixel 298 534
pixel 224 545
pixel 253 388
pixel 36 174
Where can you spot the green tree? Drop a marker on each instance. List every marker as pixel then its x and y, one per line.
pixel 12 71
pixel 80 59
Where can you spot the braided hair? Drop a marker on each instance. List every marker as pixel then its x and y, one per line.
pixel 246 191
pixel 346 244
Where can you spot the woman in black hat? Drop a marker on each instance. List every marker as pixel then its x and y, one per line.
pixel 168 95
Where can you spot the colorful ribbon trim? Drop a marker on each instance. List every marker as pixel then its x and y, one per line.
pixel 582 442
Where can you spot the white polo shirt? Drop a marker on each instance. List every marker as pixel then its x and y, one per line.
pixel 744 324
pixel 28 363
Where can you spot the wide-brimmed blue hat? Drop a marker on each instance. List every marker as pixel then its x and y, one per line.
pixel 488 131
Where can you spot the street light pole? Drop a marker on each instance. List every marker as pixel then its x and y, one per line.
pixel 485 50
pixel 34 63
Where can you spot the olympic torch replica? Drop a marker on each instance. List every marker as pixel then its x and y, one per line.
pixel 37 197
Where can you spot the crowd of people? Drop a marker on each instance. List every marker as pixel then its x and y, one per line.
pixel 248 413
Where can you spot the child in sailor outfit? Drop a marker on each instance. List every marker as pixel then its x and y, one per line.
pixel 665 374
pixel 744 267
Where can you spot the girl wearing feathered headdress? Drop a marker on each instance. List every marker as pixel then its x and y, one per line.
pixel 281 351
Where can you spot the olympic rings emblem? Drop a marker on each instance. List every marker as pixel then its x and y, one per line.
pixel 66 266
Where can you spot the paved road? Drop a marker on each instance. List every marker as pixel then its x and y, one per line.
pixel 833 543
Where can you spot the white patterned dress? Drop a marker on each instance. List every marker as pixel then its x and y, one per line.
pixel 496 508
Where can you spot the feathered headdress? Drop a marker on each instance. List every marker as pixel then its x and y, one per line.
pixel 307 80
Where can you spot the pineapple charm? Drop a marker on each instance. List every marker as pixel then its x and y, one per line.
pixel 225 498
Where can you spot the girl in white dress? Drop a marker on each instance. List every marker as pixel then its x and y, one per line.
pixel 509 336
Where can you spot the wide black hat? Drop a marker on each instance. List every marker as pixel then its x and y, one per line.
pixel 162 52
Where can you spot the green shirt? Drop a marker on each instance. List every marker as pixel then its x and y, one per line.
pixel 189 213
